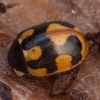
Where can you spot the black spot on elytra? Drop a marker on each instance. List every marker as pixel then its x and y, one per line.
pixel 40 30
pixel 47 60
pixel 50 67
pixel 76 52
pixel 50 52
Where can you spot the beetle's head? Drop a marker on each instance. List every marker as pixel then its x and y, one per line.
pixel 16 59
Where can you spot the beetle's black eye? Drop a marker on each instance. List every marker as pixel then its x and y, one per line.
pixel 16 58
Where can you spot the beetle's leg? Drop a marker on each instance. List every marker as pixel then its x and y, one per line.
pixel 63 81
pixel 29 77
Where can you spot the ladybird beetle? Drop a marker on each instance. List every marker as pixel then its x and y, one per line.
pixel 47 49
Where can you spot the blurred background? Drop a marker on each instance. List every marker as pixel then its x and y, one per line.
pixel 84 14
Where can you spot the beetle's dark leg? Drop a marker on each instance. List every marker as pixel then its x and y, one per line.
pixel 63 81
pixel 29 77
